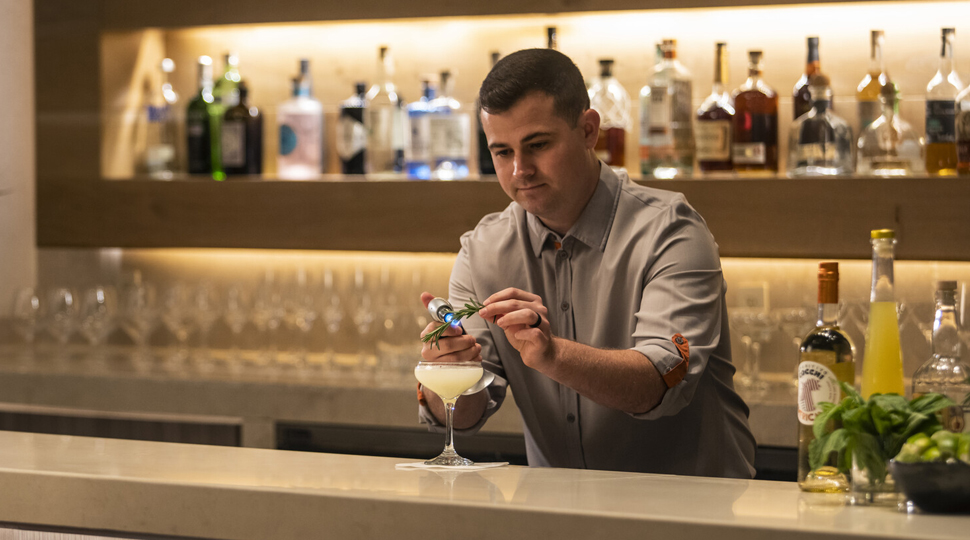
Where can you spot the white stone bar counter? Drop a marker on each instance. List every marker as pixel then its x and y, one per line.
pixel 139 489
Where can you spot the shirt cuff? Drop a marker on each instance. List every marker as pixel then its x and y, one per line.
pixel 673 368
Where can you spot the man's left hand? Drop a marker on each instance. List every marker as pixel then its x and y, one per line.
pixel 517 312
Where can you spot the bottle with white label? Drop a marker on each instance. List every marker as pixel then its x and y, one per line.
pixel 242 136
pixel 451 133
pixel 385 119
pixel 820 142
pixel 713 132
pixel 669 151
pixel 351 133
pixel 827 357
pixel 300 121
pixel 161 157
pixel 941 94
pixel 755 145
pixel 417 151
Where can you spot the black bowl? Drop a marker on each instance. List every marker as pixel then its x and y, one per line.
pixel 934 486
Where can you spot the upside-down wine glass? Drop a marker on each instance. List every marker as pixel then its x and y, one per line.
pixel 449 380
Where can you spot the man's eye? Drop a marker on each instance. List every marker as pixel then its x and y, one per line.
pixel 501 153
pixel 539 145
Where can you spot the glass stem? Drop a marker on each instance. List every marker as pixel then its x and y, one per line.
pixel 450 423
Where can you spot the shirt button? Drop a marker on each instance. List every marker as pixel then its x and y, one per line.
pixel 564 306
pixel 570 418
pixel 562 255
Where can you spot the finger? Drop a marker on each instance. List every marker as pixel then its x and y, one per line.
pixel 512 293
pixel 524 317
pixel 453 330
pixel 426 298
pixel 466 355
pixel 507 306
pixel 450 345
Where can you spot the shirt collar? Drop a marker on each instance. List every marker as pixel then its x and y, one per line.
pixel 594 224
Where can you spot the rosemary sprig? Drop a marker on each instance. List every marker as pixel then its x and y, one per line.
pixel 471 307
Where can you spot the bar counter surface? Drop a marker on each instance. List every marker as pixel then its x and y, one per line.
pixel 138 489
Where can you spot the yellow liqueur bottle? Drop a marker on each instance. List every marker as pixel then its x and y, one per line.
pixel 882 366
pixel 826 358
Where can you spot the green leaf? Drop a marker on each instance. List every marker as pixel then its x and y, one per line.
pixel 858 421
pixel 931 403
pixel 850 393
pixel 833 442
pixel 868 454
pixel 825 419
pixel 888 411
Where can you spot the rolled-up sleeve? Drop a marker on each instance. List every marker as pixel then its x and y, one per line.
pixel 461 290
pixel 680 309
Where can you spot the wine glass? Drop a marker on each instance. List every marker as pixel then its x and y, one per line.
pixel 364 316
pixel 449 380
pixel 300 313
pixel 236 311
pixel 98 314
pixel 27 314
pixel 795 323
pixel 62 313
pixel 755 329
pixel 138 317
pixel 205 313
pixel 267 315
pixel 178 316
pixel 332 314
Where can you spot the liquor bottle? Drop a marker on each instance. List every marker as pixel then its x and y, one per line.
pixel 300 124
pixel 713 134
pixel 242 136
pixel 826 358
pixel 944 372
pixel 963 132
pixel 608 97
pixel 670 137
pixel 451 131
pixel 160 159
pixel 385 120
pixel 889 146
pixel 552 38
pixel 882 366
pixel 226 89
pixel 417 151
pixel 872 85
pixel 820 143
pixel 941 93
pixel 351 133
pixel 202 119
pixel 801 94
pixel 485 164
pixel 755 146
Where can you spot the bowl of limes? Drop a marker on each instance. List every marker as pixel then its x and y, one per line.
pixel 933 471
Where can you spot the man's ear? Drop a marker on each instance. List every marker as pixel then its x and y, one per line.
pixel 590 122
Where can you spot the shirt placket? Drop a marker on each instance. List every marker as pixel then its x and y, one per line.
pixel 563 312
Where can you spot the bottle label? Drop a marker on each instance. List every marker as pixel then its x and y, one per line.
pixel 450 136
pixel 419 146
pixel 157 114
pixel 233 143
pixel 713 139
pixel 301 141
pixel 868 112
pixel 817 153
pixel 940 121
pixel 816 384
pixel 351 137
pixel 749 153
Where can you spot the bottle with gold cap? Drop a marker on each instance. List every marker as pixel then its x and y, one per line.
pixel 827 357
pixel 882 366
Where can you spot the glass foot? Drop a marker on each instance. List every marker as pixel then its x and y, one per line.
pixel 449 458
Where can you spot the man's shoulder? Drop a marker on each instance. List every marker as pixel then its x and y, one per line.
pixel 496 228
pixel 648 203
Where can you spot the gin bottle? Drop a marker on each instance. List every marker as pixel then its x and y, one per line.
pixel 202 119
pixel 670 146
pixel 755 146
pixel 608 97
pixel 300 126
pixel 450 126
pixel 226 89
pixel 351 133
pixel 242 136
pixel 385 120
pixel 801 94
pixel 941 93
pixel 872 85
pixel 945 372
pixel 417 150
pixel 889 146
pixel 160 160
pixel 820 143
pixel 713 134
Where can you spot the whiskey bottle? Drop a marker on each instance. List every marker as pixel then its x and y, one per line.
pixel 451 133
pixel 801 94
pixel 889 146
pixel 608 97
pixel 826 358
pixel 963 132
pixel 242 136
pixel 872 85
pixel 300 126
pixel 161 157
pixel 713 134
pixel 385 120
pixel 670 138
pixel 755 145
pixel 485 164
pixel 820 143
pixel 944 372
pixel 941 93
pixel 202 120
pixel 417 150
pixel 351 134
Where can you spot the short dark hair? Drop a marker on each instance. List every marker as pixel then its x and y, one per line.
pixel 535 70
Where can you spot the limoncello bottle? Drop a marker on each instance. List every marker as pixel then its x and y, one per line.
pixel 882 366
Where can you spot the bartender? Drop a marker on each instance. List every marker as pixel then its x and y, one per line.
pixel 604 300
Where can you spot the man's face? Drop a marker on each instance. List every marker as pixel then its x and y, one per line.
pixel 542 162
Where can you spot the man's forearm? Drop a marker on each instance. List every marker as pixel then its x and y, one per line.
pixel 619 379
pixel 468 410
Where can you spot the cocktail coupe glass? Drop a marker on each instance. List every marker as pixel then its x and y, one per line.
pixel 449 380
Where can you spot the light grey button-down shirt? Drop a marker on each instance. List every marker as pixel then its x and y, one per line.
pixel 637 268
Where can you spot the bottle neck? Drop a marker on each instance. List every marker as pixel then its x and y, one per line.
pixel 882 270
pixel 720 69
pixel 811 68
pixel 828 301
pixel 946 56
pixel 946 332
pixel 875 57
pixel 828 315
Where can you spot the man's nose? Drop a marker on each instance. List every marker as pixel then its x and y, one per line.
pixel 522 166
